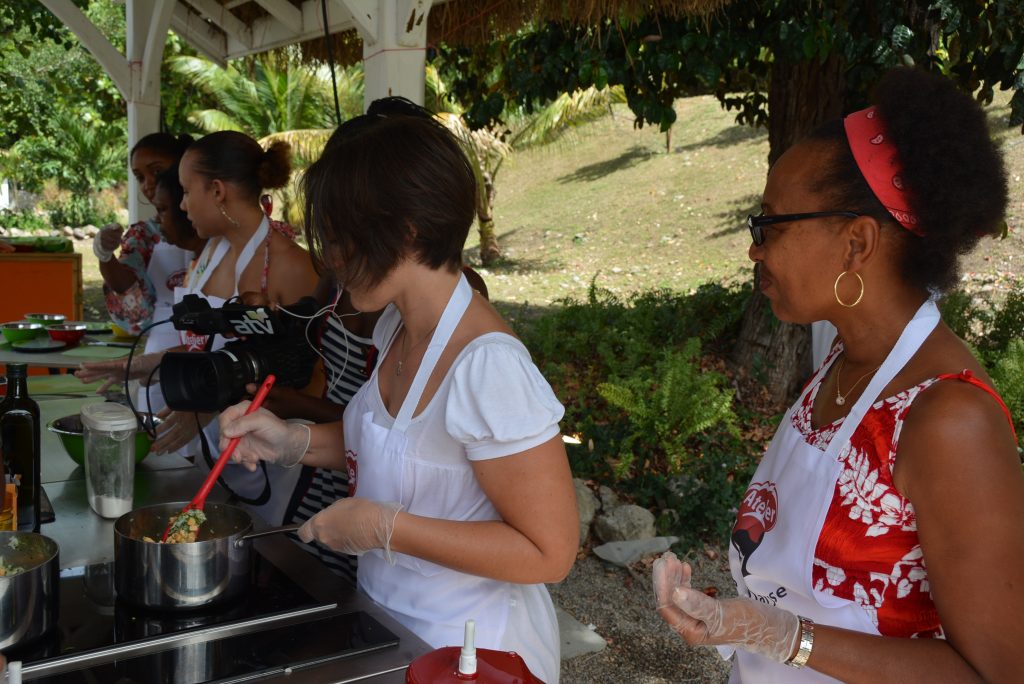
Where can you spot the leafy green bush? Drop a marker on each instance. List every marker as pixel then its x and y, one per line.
pixel 1008 376
pixel 986 323
pixel 667 405
pixel 68 209
pixel 1007 324
pixel 24 220
pixel 654 424
pixel 965 315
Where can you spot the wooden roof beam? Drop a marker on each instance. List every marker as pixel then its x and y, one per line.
pixel 222 18
pixel 197 32
pixel 285 12
pixel 364 15
pixel 109 57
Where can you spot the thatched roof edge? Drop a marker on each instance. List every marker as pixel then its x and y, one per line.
pixel 474 22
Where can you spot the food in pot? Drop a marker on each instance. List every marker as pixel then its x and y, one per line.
pixel 7 570
pixel 184 527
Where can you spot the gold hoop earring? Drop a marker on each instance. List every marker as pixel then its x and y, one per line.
pixel 224 213
pixel 835 289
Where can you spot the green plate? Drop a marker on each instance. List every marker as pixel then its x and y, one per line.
pixel 38 346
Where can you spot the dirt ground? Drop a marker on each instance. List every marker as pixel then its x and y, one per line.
pixel 641 649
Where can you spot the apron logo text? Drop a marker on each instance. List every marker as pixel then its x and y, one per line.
pixel 771 598
pixel 758 512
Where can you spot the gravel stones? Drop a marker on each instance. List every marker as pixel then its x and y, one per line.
pixel 641 649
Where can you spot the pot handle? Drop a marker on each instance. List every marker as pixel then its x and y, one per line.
pixel 292 527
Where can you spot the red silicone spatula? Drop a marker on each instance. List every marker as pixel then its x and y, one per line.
pixel 199 500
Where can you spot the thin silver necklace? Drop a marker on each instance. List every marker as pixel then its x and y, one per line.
pixel 405 354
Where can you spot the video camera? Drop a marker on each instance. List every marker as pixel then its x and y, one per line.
pixel 273 342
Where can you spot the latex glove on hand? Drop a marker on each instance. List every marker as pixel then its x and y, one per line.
pixel 353 525
pixel 704 621
pixel 264 437
pixel 112 372
pixel 107 241
pixel 177 429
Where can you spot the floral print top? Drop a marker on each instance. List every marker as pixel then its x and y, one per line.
pixel 133 308
pixel 868 550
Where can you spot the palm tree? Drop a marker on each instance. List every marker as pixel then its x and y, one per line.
pixel 489 147
pixel 276 99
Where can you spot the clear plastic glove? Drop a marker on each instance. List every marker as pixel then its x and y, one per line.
pixel 704 621
pixel 264 437
pixel 112 372
pixel 353 525
pixel 177 429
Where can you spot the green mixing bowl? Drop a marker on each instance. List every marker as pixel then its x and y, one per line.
pixel 21 331
pixel 69 429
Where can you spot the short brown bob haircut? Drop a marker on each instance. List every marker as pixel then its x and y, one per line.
pixel 390 184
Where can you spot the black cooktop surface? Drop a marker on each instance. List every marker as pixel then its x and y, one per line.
pixel 226 643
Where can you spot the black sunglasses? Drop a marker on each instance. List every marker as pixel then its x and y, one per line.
pixel 757 224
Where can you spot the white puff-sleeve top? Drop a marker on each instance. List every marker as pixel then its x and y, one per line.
pixel 492 403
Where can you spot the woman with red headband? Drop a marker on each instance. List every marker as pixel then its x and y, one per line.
pixel 882 536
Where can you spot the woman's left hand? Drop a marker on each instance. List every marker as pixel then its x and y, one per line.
pixel 177 429
pixel 353 525
pixel 704 621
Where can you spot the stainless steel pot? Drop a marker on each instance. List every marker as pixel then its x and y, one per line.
pixel 28 599
pixel 212 570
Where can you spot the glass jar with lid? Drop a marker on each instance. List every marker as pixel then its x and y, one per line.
pixel 109 431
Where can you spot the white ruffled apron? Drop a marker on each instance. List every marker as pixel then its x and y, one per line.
pixel 245 483
pixel 165 262
pixel 431 600
pixel 782 513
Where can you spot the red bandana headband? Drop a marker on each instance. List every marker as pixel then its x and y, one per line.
pixel 879 163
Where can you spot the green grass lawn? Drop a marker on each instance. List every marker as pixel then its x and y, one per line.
pixel 609 202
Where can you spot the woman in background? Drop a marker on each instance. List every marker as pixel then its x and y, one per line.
pixel 135 283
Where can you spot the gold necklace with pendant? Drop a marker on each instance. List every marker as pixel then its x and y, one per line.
pixel 840 399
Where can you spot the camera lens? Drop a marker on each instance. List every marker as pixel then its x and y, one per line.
pixel 207 382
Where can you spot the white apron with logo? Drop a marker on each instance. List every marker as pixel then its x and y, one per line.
pixel 243 482
pixel 784 510
pixel 431 600
pixel 167 263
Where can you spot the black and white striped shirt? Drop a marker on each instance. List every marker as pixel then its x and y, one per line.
pixel 345 366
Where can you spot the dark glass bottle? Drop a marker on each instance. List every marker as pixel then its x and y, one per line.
pixel 19 444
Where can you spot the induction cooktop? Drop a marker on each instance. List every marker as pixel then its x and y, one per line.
pixel 273 628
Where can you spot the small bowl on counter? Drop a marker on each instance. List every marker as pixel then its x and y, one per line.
pixel 45 318
pixel 68 333
pixel 20 331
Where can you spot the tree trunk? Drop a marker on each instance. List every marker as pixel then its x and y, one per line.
pixel 801 96
pixel 489 250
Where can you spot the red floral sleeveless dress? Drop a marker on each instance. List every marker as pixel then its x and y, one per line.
pixel 868 551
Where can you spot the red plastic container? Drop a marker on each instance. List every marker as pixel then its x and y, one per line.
pixel 492 667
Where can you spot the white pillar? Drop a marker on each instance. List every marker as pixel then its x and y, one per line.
pixel 394 34
pixel 147 23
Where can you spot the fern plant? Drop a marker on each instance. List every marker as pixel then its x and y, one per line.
pixel 666 408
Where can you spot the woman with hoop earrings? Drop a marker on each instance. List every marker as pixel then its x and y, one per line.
pixel 882 536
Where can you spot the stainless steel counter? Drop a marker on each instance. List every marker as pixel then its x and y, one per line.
pixel 85 538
